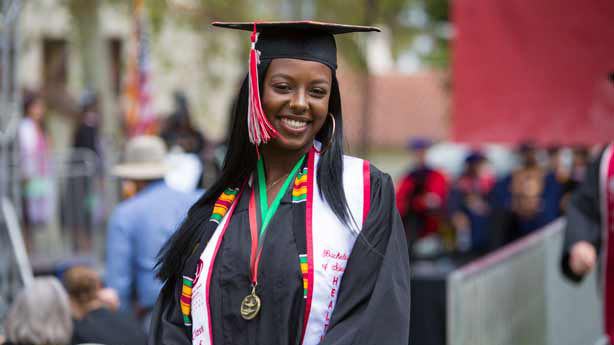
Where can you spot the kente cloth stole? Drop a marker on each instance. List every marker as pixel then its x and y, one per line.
pixel 220 208
pixel 328 247
pixel 607 255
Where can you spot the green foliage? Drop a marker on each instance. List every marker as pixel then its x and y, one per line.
pixel 440 56
pixel 438 10
pixel 156 10
pixel 364 12
pixel 386 13
pixel 198 14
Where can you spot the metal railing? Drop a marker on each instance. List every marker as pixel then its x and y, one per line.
pixel 15 271
pixel 64 210
pixel 10 90
pixel 518 295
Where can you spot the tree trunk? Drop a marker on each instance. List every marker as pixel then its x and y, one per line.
pixel 95 61
pixel 367 94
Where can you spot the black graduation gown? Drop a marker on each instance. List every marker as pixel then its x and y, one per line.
pixel 373 301
pixel 583 216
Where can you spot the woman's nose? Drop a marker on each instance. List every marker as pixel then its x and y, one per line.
pixel 298 103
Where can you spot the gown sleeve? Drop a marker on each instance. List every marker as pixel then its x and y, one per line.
pixel 167 327
pixel 373 302
pixel 583 217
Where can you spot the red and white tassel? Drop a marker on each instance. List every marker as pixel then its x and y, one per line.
pixel 260 129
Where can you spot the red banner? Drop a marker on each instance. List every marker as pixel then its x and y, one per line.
pixel 533 70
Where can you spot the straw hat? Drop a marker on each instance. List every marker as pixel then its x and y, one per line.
pixel 144 159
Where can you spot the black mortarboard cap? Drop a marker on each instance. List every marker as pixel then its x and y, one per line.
pixel 304 40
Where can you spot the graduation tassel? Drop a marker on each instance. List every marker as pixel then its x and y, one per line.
pixel 260 129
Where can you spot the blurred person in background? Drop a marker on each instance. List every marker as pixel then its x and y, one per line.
pixel 35 166
pixel 556 165
pixel 40 315
pixel 579 161
pixel 581 158
pixel 178 130
pixel 140 225
pixel 525 200
pixel 80 203
pixel 557 177
pixel 87 134
pixel 421 196
pixel 468 205
pixel 180 134
pixel 590 229
pixel 186 146
pixel 94 320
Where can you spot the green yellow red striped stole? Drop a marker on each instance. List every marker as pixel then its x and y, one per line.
pixel 299 192
pixel 304 271
pixel 222 204
pixel 186 300
pixel 220 208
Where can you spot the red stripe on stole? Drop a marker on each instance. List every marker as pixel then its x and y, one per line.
pixel 300 185
pixel 366 176
pixel 309 235
pixel 224 203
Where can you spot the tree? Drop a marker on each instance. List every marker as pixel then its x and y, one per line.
pixel 199 16
pixel 94 59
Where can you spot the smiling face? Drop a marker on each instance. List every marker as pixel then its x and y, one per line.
pixel 295 100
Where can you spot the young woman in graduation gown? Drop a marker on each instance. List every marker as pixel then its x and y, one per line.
pixel 295 243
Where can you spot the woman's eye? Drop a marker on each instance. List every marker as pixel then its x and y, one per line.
pixel 318 91
pixel 282 87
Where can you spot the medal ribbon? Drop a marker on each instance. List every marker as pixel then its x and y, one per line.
pixel 266 213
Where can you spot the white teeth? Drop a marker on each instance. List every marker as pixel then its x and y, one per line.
pixel 294 124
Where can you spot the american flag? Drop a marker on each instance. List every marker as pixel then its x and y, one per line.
pixel 139 116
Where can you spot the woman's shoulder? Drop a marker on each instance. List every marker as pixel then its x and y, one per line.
pixel 362 175
pixel 376 175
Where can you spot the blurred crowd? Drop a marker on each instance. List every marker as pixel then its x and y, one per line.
pixel 160 175
pixel 79 196
pixel 478 211
pixel 78 305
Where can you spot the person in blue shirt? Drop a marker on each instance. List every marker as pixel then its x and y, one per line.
pixel 468 205
pixel 141 224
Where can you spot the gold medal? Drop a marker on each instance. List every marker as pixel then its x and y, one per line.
pixel 250 306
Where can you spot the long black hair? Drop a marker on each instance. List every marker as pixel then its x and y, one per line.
pixel 240 161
